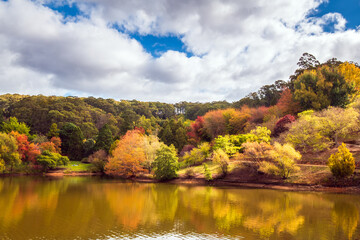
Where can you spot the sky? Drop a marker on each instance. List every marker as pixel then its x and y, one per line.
pixel 167 50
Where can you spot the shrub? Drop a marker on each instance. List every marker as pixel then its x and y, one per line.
pixel 221 158
pixel 268 168
pixel 98 160
pixel 207 172
pixel 282 125
pixel 50 160
pixel 257 151
pixel 342 163
pixel 197 155
pixel 190 173
pixel 285 157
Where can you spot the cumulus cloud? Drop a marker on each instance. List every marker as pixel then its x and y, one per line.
pixel 238 46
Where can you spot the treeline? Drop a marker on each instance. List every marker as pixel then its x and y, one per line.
pixel 273 123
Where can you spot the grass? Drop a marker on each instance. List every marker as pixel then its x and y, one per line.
pixel 77 166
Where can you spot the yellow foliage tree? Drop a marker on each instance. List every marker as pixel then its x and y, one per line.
pixel 128 157
pixel 351 74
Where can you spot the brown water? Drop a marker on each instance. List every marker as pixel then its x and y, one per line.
pixel 95 208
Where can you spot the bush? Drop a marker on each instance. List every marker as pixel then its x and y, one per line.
pixel 207 172
pixel 98 160
pixel 49 160
pixel 221 158
pixel 268 168
pixel 190 173
pixel 285 157
pixel 282 125
pixel 197 155
pixel 342 163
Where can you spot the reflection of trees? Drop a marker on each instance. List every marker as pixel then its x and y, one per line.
pixel 88 207
pixel 345 216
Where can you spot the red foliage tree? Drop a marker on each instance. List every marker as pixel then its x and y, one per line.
pixel 287 104
pixel 28 151
pixel 197 131
pixel 57 143
pixel 282 125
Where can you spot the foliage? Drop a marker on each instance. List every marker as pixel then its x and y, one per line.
pixel 197 155
pixel 351 73
pixel 9 155
pixel 13 125
pixel 174 132
pixel 128 156
pixel 72 141
pixel 104 139
pixel 166 163
pixel 221 158
pixel 342 163
pixel 49 160
pixel 282 125
pixel 285 157
pixel 262 134
pixel 28 151
pixel 53 131
pixel 318 131
pixel 226 143
pixel 257 151
pixel 151 146
pixel 207 173
pixel 98 160
pixel 287 103
pixel 214 123
pixel 323 87
pixel 197 131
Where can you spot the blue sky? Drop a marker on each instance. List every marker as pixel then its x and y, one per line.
pixel 167 50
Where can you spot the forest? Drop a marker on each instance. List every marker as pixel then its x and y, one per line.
pixel 272 130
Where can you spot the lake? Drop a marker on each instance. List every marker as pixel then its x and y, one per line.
pixel 96 208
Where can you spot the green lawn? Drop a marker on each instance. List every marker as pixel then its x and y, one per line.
pixel 77 166
pixel 213 167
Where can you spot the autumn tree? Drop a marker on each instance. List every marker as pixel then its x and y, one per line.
pixel 197 131
pixel 9 155
pixel 72 141
pixel 342 163
pixel 166 163
pixel 128 157
pixel 197 155
pixel 28 151
pixel 351 73
pixel 285 157
pixel 287 103
pixel 221 158
pixel 151 146
pixel 98 159
pixel 282 125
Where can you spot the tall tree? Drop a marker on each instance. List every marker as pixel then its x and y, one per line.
pixel 9 155
pixel 166 163
pixel 53 131
pixel 104 139
pixel 72 141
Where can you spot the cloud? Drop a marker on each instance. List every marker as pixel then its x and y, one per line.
pixel 238 46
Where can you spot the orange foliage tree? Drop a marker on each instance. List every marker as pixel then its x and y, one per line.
pixel 28 151
pixel 287 104
pixel 128 156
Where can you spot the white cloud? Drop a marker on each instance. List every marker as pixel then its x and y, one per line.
pixel 238 46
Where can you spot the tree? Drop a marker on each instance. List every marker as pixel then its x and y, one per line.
pixel 287 103
pixel 166 163
pixel 207 173
pixel 104 139
pixel 221 158
pixel 256 151
pixel 151 146
pixel 342 163
pixel 72 141
pixel 49 160
pixel 285 157
pixel 9 155
pixel 28 151
pixel 323 87
pixel 225 144
pixel 128 156
pixel 351 73
pixel 53 131
pixel 13 125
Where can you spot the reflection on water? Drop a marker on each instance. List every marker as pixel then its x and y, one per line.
pixel 94 208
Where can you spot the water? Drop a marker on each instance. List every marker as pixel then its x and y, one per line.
pixel 95 208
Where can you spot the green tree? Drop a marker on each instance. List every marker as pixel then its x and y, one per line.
pixel 49 160
pixel 72 141
pixel 9 155
pixel 285 157
pixel 323 87
pixel 197 155
pixel 104 139
pixel 14 125
pixel 342 163
pixel 53 131
pixel 166 163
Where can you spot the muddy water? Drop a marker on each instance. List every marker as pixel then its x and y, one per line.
pixel 95 208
